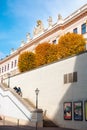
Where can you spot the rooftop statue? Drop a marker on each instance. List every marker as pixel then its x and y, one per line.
pixel 12 50
pixel 22 43
pixel 39 28
pixel 28 37
pixel 60 19
pixel 39 23
pixel 50 21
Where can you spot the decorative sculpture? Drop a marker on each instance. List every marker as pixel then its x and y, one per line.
pixel 50 21
pixel 59 17
pixel 28 37
pixel 22 43
pixel 39 28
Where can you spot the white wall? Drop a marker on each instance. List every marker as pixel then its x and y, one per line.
pixel 53 92
pixel 12 107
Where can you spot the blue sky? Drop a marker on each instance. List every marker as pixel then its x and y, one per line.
pixel 18 17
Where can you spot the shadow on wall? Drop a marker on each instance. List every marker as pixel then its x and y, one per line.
pixel 70 112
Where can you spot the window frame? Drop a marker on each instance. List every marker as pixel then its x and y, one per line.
pixel 75 30
pixel 83 28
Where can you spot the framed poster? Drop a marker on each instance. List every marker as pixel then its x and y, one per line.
pixel 67 107
pixel 85 103
pixel 78 110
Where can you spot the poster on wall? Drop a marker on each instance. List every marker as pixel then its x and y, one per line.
pixel 78 110
pixel 67 110
pixel 85 110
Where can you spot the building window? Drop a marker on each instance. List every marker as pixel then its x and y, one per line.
pixel 83 28
pixel 15 64
pixel 75 30
pixel 70 77
pixel 74 76
pixel 54 41
pixel 8 67
pixel 65 78
pixel 2 69
pixel 12 64
pixel 5 67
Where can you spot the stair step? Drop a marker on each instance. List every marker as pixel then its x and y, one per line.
pixel 29 103
pixel 48 123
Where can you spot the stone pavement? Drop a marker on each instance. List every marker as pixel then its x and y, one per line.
pixel 31 128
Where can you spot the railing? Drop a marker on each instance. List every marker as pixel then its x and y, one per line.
pixel 23 107
pixel 26 117
pixel 25 102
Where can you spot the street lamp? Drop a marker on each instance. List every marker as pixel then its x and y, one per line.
pixel 8 80
pixel 37 91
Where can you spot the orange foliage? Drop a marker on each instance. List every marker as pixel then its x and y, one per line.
pixel 52 53
pixel 41 53
pixel 26 61
pixel 70 44
pixel 45 53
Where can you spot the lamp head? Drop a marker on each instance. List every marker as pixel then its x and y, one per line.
pixel 37 91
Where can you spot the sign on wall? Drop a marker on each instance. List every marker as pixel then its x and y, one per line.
pixel 78 110
pixel 85 110
pixel 67 110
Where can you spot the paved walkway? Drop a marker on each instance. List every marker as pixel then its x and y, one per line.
pixel 31 128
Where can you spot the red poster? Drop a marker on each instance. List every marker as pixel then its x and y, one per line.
pixel 67 110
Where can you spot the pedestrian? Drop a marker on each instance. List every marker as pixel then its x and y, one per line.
pixel 19 91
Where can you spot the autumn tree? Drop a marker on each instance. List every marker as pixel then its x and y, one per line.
pixel 45 53
pixel 70 44
pixel 41 53
pixel 26 61
pixel 52 53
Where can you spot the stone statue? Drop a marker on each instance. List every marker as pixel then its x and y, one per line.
pixel 39 28
pixel 50 21
pixel 12 50
pixel 60 20
pixel 39 23
pixel 28 37
pixel 59 17
pixel 22 43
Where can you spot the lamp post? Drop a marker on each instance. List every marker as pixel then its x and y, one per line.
pixel 8 80
pixel 37 91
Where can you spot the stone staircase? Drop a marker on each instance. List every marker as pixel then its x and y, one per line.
pixel 46 122
pixel 24 101
pixel 30 104
pixel 49 123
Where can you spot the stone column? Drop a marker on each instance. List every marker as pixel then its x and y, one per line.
pixel 37 116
